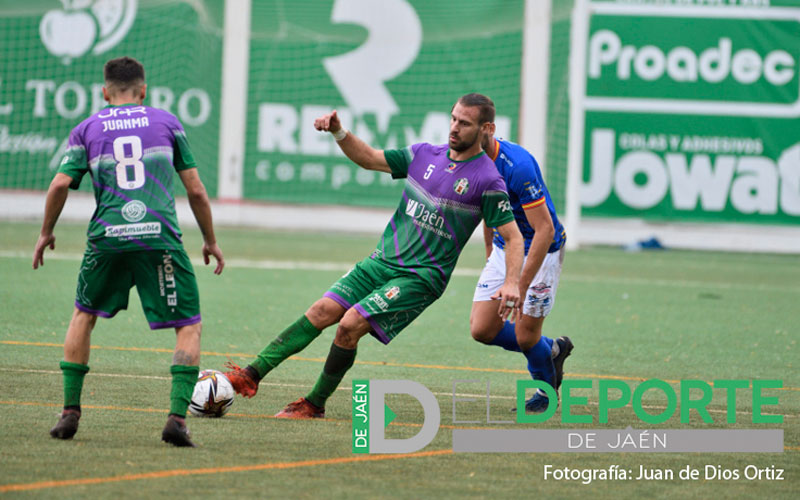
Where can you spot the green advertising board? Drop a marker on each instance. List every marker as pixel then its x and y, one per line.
pixel 393 69
pixel 693 114
pixel 51 77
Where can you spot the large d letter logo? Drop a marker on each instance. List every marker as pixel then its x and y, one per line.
pixel 370 416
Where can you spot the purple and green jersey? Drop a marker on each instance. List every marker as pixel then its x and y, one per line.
pixel 132 153
pixel 442 204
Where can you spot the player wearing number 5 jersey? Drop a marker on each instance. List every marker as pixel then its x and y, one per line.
pixel 131 153
pixel 449 189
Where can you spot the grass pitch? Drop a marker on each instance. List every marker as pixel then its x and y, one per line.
pixel 671 315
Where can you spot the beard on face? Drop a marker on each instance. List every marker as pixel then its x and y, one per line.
pixel 463 144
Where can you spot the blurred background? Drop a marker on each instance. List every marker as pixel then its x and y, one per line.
pixel 674 120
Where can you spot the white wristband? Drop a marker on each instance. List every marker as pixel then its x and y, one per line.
pixel 340 134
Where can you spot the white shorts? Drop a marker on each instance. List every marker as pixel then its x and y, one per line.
pixel 542 291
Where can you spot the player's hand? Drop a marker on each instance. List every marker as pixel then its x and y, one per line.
pixel 510 303
pixel 328 123
pixel 214 250
pixel 45 240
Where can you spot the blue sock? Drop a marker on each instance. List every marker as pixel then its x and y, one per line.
pixel 540 363
pixel 549 341
pixel 506 338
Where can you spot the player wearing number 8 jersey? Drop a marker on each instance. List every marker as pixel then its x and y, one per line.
pixel 131 152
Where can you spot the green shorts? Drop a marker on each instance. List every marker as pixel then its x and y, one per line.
pixel 387 298
pixel 164 279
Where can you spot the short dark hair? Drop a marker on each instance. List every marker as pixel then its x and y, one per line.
pixel 123 73
pixel 484 103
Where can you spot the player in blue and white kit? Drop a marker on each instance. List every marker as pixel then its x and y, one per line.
pixel 544 250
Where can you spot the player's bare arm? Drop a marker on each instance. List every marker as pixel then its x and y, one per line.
pixel 509 293
pixel 56 197
pixel 542 224
pixel 357 150
pixel 488 236
pixel 201 207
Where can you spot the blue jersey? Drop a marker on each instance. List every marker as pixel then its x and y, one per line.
pixel 526 189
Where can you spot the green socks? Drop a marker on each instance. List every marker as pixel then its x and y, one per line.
pixel 339 361
pixel 183 380
pixel 73 383
pixel 294 339
pixel 290 341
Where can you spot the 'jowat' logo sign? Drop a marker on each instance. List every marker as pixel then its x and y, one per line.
pixel 84 25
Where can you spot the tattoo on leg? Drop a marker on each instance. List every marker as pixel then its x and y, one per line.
pixel 182 357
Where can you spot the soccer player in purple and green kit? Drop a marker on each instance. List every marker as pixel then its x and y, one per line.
pixel 544 249
pixel 132 152
pixel 449 189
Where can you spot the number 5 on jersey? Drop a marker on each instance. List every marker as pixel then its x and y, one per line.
pixel 134 159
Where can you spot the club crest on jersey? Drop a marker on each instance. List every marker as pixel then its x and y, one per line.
pixel 461 186
pixel 134 211
pixel 392 293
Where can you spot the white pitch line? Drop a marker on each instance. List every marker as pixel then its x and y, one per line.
pixel 681 283
pixel 94 374
pixel 349 389
pixel 303 265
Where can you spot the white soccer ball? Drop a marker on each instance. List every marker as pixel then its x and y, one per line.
pixel 213 395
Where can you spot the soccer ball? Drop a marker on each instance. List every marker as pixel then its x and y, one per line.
pixel 213 395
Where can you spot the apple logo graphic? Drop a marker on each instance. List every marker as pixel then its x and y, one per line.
pixel 83 25
pixel 67 33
